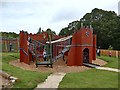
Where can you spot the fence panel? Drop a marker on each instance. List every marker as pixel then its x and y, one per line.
pixel 5 44
pixel 114 53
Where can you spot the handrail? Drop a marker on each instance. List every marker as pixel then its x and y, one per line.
pixel 24 51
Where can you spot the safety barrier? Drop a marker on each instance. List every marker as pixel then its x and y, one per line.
pixel 5 44
pixel 114 53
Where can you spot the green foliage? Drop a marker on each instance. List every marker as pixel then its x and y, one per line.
pixel 50 31
pixel 64 32
pixel 39 31
pixel 110 48
pixel 70 29
pixel 90 79
pixel 106 24
pixel 9 34
pixel 27 79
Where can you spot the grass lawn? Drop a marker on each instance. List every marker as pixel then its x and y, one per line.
pixel 93 78
pixel 112 61
pixel 27 79
pixel 90 79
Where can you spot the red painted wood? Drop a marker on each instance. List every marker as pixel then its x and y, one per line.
pixel 82 38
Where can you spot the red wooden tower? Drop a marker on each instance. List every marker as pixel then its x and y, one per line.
pixel 83 47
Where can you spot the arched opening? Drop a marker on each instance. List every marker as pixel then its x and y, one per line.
pixel 86 55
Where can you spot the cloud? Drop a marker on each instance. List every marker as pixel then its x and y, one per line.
pixel 66 14
pixel 55 14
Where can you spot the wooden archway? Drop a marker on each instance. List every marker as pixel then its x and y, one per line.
pixel 86 55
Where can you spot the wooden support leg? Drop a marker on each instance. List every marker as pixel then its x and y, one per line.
pixel 36 65
pixel 51 66
pixel 47 65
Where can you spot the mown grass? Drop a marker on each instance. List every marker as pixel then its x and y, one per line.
pixel 93 78
pixel 90 79
pixel 27 79
pixel 111 61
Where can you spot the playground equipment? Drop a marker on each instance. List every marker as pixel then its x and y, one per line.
pixel 32 49
pixel 79 48
pixel 83 47
pixel 48 57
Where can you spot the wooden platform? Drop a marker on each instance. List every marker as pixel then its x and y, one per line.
pixel 44 63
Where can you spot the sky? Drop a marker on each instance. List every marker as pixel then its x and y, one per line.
pixel 30 15
pixel 119 8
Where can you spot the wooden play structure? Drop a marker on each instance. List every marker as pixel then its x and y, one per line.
pixel 83 47
pixel 79 48
pixel 32 46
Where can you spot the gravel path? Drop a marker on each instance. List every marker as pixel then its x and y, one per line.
pixel 52 81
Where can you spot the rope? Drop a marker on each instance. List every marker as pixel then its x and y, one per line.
pixel 74 45
pixel 24 51
pixel 37 41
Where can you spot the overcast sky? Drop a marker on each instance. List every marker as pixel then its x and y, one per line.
pixel 29 15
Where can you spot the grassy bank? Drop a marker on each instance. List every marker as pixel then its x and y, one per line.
pixel 111 61
pixel 27 79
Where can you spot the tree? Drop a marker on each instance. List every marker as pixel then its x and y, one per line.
pixel 39 31
pixel 9 34
pixel 106 25
pixel 64 32
pixel 50 31
pixel 70 29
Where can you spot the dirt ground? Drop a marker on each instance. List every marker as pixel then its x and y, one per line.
pixel 58 66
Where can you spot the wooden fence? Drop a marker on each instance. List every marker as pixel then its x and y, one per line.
pixel 114 53
pixel 5 44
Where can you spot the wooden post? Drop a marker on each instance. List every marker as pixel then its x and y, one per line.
pixel 26 57
pixel 18 44
pixel 50 49
pixel 6 45
pixel 36 58
pixel 116 54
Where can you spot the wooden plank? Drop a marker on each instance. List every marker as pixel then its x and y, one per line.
pixel 44 63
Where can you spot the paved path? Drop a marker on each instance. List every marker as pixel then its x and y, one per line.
pixel 52 81
pixel 102 68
